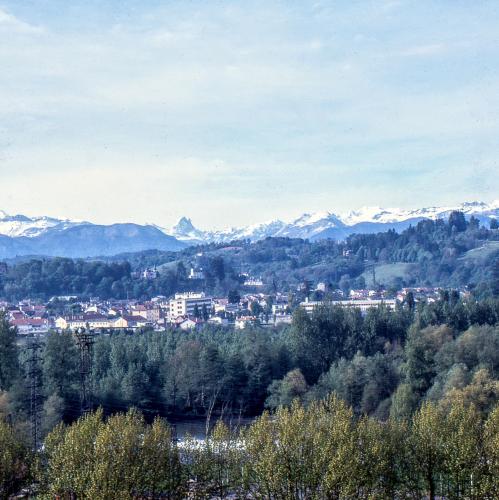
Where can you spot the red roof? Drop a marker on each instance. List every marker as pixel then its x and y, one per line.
pixel 28 322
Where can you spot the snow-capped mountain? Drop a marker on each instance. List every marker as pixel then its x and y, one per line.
pixel 21 225
pixel 21 235
pixel 391 215
pixel 322 225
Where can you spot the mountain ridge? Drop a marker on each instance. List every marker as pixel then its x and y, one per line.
pixel 22 235
pixel 320 225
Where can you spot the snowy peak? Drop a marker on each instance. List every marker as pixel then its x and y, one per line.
pixel 183 226
pixel 20 225
pixel 25 230
pixel 319 225
pixel 393 215
pixel 184 230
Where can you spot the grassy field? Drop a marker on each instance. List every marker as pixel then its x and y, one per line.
pixel 387 273
pixel 482 253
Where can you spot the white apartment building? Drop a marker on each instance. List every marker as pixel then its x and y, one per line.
pixel 184 304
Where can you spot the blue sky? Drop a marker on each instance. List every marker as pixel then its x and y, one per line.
pixel 238 112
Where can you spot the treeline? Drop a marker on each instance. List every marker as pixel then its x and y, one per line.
pixel 435 251
pixel 51 277
pixel 321 451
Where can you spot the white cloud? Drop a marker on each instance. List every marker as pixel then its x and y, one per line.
pixel 10 23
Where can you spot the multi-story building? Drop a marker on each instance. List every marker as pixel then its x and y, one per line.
pixel 185 304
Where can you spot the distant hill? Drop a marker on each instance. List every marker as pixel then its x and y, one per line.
pixel 89 240
pixel 454 253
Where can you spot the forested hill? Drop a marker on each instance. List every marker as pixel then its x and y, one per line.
pixel 452 253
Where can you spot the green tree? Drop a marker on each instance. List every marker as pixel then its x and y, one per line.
pixel 60 369
pixel 284 392
pixel 427 447
pixel 15 461
pixel 9 364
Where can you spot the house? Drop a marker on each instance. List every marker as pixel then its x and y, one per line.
pixel 217 320
pixel 244 321
pixel 150 313
pixel 196 274
pixel 250 281
pixel 190 324
pixel 224 306
pixel 149 274
pixel 129 322
pixel 30 325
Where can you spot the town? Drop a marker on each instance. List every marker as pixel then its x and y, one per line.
pixel 192 310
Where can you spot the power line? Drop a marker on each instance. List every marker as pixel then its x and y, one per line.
pixel 34 374
pixel 85 341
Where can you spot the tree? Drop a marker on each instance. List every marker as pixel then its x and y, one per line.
pixel 457 221
pixel 215 464
pixel 462 451
pixel 427 447
pixel 60 369
pixel 181 272
pixel 284 392
pixel 9 364
pixel 217 267
pixel 197 313
pixel 234 297
pixel 122 457
pixel 15 461
pixel 255 308
pixel 482 393
pixel 204 313
pixel 490 483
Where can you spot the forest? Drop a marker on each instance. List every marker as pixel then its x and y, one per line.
pixel 418 383
pixel 382 363
pixel 453 253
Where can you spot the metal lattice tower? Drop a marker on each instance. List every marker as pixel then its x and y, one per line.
pixel 85 341
pixel 34 374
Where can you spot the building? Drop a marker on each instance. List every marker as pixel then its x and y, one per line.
pixel 190 324
pixel 217 320
pixel 30 325
pixel 185 304
pixel 363 305
pixel 196 274
pixel 94 321
pixel 280 308
pixel 244 321
pixel 149 274
pixel 250 281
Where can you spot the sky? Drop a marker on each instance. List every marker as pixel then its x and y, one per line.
pixel 234 112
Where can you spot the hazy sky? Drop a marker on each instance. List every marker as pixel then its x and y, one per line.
pixel 238 112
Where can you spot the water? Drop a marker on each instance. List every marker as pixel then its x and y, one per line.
pixel 196 428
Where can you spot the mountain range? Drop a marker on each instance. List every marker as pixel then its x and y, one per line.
pixel 321 225
pixel 21 235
